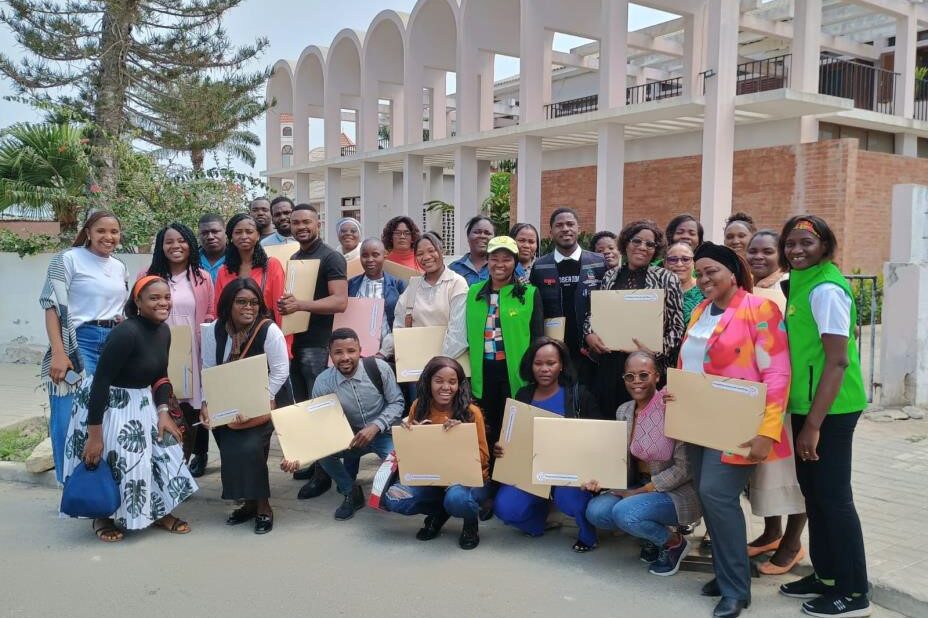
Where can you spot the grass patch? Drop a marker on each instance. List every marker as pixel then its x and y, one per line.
pixel 16 443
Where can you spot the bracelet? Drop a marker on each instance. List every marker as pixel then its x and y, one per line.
pixel 163 408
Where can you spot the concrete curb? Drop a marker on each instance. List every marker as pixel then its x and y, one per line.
pixel 15 472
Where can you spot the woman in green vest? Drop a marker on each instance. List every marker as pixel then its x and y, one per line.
pixel 502 308
pixel 826 399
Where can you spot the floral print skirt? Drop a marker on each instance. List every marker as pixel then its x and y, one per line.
pixel 152 476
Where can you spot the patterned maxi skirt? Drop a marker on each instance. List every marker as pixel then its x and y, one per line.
pixel 152 476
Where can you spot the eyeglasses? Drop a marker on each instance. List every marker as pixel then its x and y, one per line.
pixel 641 376
pixel 683 259
pixel 650 244
pixel 247 302
pixel 402 233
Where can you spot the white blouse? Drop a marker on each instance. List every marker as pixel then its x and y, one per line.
pixel 97 286
pixel 442 304
pixel 274 346
pixel 693 351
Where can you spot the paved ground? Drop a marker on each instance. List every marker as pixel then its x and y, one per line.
pixel 297 564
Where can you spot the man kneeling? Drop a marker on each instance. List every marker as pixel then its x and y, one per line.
pixel 372 402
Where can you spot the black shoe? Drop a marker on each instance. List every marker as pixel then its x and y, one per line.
pixel 314 488
pixel 351 503
pixel 649 552
pixel 432 527
pixel 305 474
pixel 469 536
pixel 711 588
pixel 240 516
pixel 836 605
pixel 730 608
pixel 264 524
pixel 809 587
pixel 197 465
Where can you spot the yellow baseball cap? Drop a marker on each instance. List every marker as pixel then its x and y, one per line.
pixel 503 242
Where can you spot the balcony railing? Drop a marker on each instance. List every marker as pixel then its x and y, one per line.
pixel 383 143
pixel 349 150
pixel 762 75
pixel 654 91
pixel 571 107
pixel 921 99
pixel 870 88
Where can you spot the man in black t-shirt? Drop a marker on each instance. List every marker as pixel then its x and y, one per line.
pixel 330 297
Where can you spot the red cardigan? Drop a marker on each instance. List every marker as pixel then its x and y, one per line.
pixel 273 284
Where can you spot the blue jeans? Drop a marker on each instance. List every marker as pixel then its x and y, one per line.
pixel 528 513
pixel 457 500
pixel 343 466
pixel 90 340
pixel 645 516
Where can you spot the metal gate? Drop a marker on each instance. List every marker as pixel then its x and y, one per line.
pixel 866 292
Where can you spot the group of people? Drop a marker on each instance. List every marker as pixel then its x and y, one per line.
pixel 109 337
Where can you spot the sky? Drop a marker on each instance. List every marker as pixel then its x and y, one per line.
pixel 291 26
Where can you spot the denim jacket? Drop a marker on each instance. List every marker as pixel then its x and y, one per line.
pixel 392 288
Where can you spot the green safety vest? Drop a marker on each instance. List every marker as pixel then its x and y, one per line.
pixel 515 319
pixel 806 352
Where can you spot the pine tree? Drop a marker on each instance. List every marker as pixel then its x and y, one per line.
pixel 118 62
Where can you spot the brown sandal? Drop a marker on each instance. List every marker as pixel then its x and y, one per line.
pixel 178 526
pixel 107 532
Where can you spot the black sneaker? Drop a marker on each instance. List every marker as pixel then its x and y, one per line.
pixel 469 536
pixel 649 553
pixel 432 527
pixel 668 562
pixel 831 605
pixel 809 587
pixel 351 503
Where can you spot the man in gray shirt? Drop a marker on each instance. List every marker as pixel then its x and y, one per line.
pixel 372 406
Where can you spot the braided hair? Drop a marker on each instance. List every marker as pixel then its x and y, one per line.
pixel 159 261
pixel 233 257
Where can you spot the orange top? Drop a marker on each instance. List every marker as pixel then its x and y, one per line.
pixel 437 417
pixel 404 258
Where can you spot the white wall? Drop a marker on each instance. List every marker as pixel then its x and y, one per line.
pixel 22 321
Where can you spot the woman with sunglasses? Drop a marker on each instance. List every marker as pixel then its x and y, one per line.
pixel 640 243
pixel 679 261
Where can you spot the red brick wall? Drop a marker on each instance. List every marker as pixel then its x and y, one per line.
pixel 27 228
pixel 849 188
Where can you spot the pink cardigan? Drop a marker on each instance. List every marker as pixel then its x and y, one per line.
pixel 750 343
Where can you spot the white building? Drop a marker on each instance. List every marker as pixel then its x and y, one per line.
pixel 735 102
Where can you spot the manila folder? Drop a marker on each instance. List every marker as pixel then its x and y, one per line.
pixel 416 346
pixel 301 282
pixel 619 316
pixel 571 451
pixel 312 429
pixel 365 317
pixel 240 387
pixel 517 438
pixel 429 455
pixel 180 361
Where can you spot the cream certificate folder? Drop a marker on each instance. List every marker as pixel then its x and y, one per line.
pixel 618 316
pixel 429 455
pixel 775 294
pixel 301 282
pixel 399 271
pixel 180 361
pixel 571 451
pixel 415 347
pixel 312 429
pixel 354 267
pixel 283 252
pixel 240 387
pixel 517 438
pixel 365 317
pixel 715 412
pixel 554 328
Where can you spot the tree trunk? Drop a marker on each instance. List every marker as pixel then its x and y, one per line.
pixel 111 83
pixel 197 156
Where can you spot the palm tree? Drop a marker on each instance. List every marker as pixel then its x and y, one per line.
pixel 45 166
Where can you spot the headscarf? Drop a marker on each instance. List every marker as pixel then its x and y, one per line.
pixel 721 254
pixel 356 252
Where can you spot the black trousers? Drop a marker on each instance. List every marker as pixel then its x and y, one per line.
pixel 305 367
pixel 199 441
pixel 493 399
pixel 836 541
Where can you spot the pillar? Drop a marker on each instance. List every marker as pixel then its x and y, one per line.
pixel 412 187
pixel 528 181
pixel 411 108
pixel 368 112
pixel 438 123
pixel 483 185
pixel 535 47
pixel 718 139
pixel 465 195
pixel 904 65
pixel 610 177
pixel 303 188
pixel 333 123
pixel 373 199
pixel 807 35
pixel 435 191
pixel 694 48
pixel 904 361
pixel 613 54
pixel 333 203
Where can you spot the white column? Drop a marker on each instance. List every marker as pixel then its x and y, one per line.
pixel 272 135
pixel 333 203
pixel 613 54
pixel 333 123
pixel 303 188
pixel 465 194
pixel 483 185
pixel 534 65
pixel 806 50
pixel 528 181
pixel 411 108
pixel 368 114
pixel 435 191
pixel 467 88
pixel 438 117
pixel 412 187
pixel 485 90
pixel 694 51
pixel 610 177
pixel 373 199
pixel 275 184
pixel 718 139
pixel 300 136
pixel 904 65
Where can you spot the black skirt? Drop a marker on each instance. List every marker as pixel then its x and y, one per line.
pixel 608 386
pixel 243 459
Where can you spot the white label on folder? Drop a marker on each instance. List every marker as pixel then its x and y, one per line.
pixel 648 297
pixel 553 322
pixel 225 413
pixel 751 391
pixel 291 275
pixel 513 411
pixel 547 476
pixel 411 372
pixel 187 373
pixel 421 477
pixel 319 405
pixel 372 328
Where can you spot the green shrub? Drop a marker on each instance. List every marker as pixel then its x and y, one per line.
pixel 863 291
pixel 28 245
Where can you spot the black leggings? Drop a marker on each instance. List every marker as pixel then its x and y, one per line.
pixel 836 541
pixel 199 444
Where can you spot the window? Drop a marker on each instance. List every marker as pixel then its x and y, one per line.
pixel 447 232
pixel 286 132
pixel 874 141
pixel 286 156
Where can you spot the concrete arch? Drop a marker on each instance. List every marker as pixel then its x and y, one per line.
pixel 383 75
pixel 431 51
pixel 343 84
pixel 280 92
pixel 308 97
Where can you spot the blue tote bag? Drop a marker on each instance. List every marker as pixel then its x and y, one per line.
pixel 90 493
